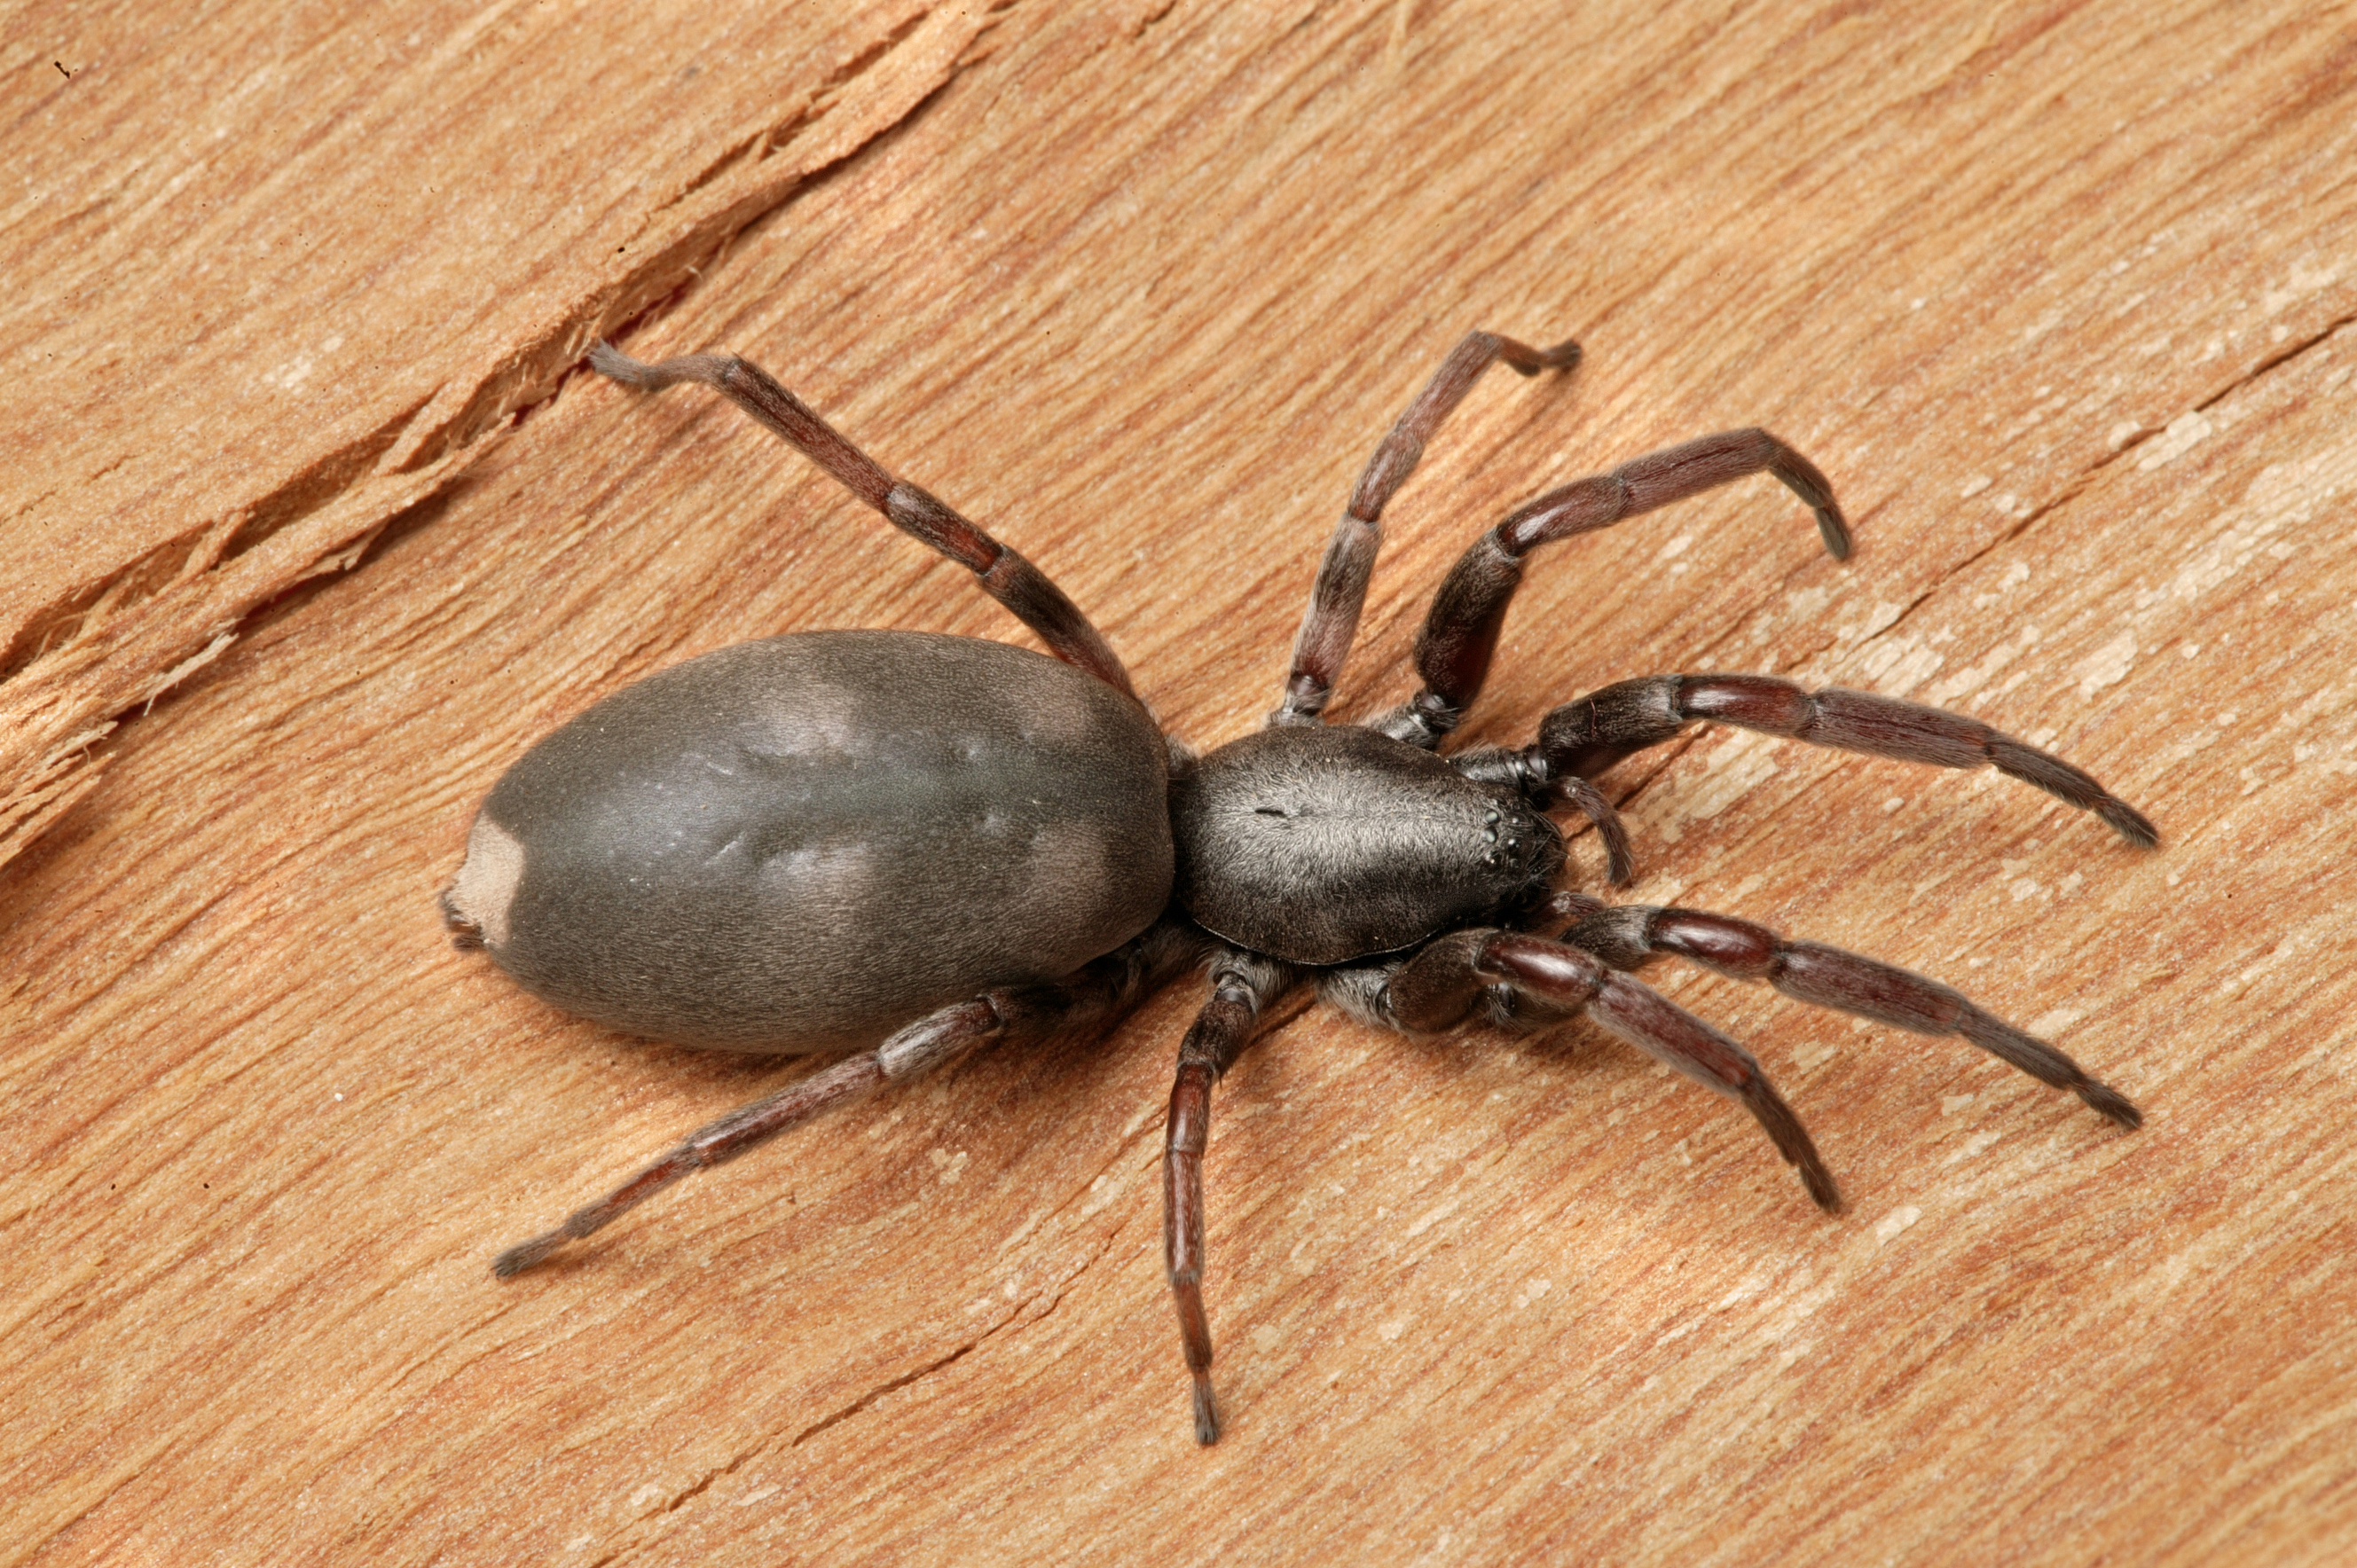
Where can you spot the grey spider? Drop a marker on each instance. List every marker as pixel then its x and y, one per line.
pixel 900 845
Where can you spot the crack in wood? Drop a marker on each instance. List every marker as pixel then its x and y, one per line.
pixel 2078 484
pixel 51 778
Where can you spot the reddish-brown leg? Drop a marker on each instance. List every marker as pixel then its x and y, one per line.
pixel 731 1135
pixel 1332 618
pixel 1014 582
pixel 1440 987
pixel 1461 633
pixel 1591 734
pixel 1242 988
pixel 1631 935
pixel 1097 994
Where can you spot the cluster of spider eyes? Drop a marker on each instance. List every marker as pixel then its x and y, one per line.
pixel 1492 857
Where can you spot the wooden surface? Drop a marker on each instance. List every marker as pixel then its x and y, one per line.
pixel 2060 296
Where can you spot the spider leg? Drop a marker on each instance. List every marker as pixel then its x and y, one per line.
pixel 1098 993
pixel 1586 736
pixel 1460 632
pixel 1444 983
pixel 1243 985
pixel 1332 618
pixel 1014 582
pixel 1631 935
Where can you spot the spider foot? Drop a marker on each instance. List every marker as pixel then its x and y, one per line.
pixel 1207 1415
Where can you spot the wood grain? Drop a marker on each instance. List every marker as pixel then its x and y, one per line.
pixel 308 535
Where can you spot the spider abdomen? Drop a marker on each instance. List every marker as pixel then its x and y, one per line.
pixel 803 843
pixel 1321 844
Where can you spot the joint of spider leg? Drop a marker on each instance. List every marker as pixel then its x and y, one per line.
pixel 1233 985
pixel 1572 976
pixel 1495 768
pixel 1734 947
pixel 1565 907
pixel 1225 1026
pixel 1435 715
pixel 1403 724
pixel 1188 1131
pixel 1562 511
pixel 1240 1005
pixel 1305 702
pixel 1564 355
pixel 932 1041
pixel 933 520
pixel 1394 461
pixel 1535 778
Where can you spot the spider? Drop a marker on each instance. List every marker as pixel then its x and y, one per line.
pixel 900 845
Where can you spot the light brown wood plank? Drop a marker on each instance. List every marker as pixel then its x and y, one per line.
pixel 2059 296
pixel 282 275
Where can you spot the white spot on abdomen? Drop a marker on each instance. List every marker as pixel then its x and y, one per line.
pixel 486 885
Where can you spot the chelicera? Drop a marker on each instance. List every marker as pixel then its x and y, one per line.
pixel 900 845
